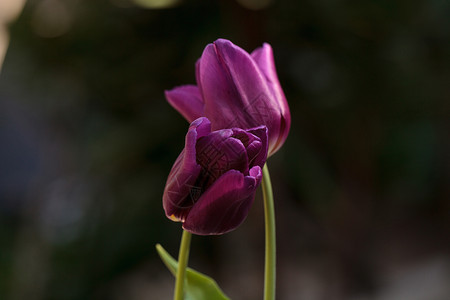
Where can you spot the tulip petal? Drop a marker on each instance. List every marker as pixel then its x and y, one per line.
pixel 251 143
pixel 237 92
pixel 180 191
pixel 264 58
pixel 225 205
pixel 256 172
pixel 261 133
pixel 187 100
pixel 233 88
pixel 219 152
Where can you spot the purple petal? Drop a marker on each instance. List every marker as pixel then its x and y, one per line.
pixel 237 92
pixel 233 88
pixel 251 143
pixel 256 172
pixel 202 126
pixel 264 58
pixel 219 152
pixel 261 157
pixel 187 100
pixel 225 205
pixel 177 197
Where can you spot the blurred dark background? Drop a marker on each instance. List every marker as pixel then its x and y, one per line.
pixel 87 139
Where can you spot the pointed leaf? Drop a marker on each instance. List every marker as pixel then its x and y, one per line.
pixel 197 286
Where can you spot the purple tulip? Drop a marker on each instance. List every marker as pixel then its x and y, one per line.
pixel 236 89
pixel 212 184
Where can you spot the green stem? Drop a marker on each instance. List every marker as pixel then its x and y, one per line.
pixel 183 257
pixel 270 259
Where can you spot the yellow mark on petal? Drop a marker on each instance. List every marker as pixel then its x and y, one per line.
pixel 173 218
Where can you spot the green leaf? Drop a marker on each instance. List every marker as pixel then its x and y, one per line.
pixel 198 286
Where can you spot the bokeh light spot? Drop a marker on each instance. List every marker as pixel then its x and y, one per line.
pixel 51 18
pixel 156 4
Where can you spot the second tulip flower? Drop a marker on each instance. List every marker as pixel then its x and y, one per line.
pixel 236 89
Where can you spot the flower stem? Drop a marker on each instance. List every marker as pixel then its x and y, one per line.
pixel 270 259
pixel 183 257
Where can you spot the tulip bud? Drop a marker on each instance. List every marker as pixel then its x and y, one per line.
pixel 212 184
